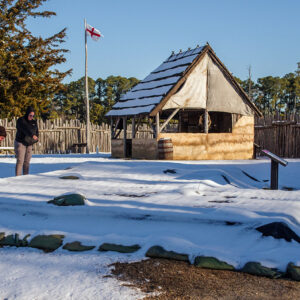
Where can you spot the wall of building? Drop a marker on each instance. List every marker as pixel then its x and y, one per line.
pixel 197 146
pixel 117 148
pixel 144 148
pixel 141 148
pixel 215 146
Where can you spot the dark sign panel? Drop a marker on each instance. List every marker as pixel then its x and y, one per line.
pixel 275 158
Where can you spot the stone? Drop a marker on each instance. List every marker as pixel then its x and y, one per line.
pixel 119 248
pixel 293 271
pixel 47 243
pixel 13 240
pixel 160 252
pixel 76 246
pixel 278 230
pixel 255 268
pixel 72 177
pixel 172 171
pixel 68 200
pixel 209 262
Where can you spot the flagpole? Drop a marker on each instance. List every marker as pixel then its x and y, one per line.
pixel 87 96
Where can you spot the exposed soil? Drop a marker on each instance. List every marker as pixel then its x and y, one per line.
pixel 166 279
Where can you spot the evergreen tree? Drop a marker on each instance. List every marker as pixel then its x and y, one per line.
pixel 27 76
pixel 70 101
pixel 109 91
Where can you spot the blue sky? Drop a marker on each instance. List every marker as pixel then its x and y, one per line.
pixel 140 34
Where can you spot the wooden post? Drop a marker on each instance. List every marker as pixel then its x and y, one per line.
pixel 157 125
pixel 133 127
pixel 205 121
pixel 125 133
pixel 87 95
pixel 274 175
pixel 111 128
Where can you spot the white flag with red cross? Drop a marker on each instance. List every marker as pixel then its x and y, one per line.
pixel 93 32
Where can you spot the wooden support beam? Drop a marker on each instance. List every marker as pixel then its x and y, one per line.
pixel 114 136
pixel 133 127
pixel 150 122
pixel 157 125
pixel 138 124
pixel 125 134
pixel 111 128
pixel 118 133
pixel 169 119
pixel 205 121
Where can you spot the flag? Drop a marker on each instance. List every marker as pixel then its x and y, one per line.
pixel 93 32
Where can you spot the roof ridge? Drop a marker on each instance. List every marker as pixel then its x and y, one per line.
pixel 181 53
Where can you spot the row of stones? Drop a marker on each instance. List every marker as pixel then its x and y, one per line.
pixel 49 243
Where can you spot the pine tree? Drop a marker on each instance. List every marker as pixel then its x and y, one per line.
pixel 27 76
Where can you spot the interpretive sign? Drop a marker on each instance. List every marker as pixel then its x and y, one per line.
pixel 275 160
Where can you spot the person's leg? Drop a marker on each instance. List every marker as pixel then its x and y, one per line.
pixel 20 150
pixel 28 155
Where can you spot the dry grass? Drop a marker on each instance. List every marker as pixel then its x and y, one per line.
pixel 179 280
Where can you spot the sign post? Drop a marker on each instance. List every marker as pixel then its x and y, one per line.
pixel 275 160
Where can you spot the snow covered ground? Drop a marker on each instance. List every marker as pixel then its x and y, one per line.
pixel 185 209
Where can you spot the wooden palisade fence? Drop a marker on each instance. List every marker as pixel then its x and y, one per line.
pixel 279 134
pixel 58 136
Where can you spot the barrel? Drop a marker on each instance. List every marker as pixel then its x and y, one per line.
pixel 165 149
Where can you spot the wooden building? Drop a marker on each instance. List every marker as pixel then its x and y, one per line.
pixel 192 99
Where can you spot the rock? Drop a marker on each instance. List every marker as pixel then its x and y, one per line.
pixel 209 262
pixel 70 199
pixel 172 171
pixel 76 246
pixel 278 230
pixel 255 268
pixel 47 243
pixel 13 240
pixel 293 271
pixel 160 252
pixel 119 248
pixel 72 177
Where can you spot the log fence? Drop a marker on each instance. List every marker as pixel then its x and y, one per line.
pixel 279 134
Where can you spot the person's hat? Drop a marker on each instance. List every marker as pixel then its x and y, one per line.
pixel 2 131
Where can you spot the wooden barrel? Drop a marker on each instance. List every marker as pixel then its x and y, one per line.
pixel 165 149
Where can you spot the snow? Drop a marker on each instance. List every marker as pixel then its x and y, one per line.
pixel 166 73
pixel 185 60
pixel 130 111
pixel 152 84
pixel 137 102
pixel 136 202
pixel 160 90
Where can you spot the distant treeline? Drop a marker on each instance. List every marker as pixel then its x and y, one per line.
pixel 270 94
pixel 274 94
pixel 69 103
pixel 28 75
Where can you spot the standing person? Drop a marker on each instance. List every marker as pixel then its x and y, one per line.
pixel 2 133
pixel 27 135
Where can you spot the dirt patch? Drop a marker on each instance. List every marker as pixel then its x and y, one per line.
pixel 180 280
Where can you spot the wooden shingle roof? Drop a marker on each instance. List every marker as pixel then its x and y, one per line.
pixel 150 94
pixel 143 98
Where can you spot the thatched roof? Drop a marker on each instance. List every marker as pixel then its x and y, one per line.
pixel 151 94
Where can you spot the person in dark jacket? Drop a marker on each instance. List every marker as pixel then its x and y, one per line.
pixel 27 135
pixel 2 133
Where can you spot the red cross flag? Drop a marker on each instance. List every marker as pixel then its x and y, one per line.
pixel 93 32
